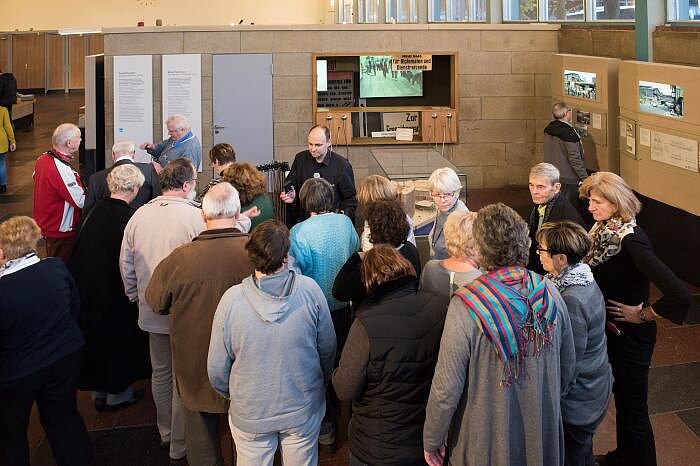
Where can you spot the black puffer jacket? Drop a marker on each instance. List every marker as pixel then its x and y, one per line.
pixel 404 328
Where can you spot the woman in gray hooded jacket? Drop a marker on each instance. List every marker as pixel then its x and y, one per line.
pixel 561 247
pixel 272 346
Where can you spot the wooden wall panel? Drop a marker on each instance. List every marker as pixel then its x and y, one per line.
pixel 4 52
pixel 56 61
pixel 29 60
pixel 76 54
pixel 96 44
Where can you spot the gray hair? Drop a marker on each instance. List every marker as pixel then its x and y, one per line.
pixel 122 148
pixel 63 133
pixel 502 236
pixel 545 170
pixel 221 201
pixel 444 180
pixel 559 109
pixel 316 195
pixel 124 178
pixel 180 121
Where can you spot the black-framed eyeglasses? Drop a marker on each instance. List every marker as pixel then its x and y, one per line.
pixel 550 252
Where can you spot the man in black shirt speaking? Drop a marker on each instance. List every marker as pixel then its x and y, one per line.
pixel 318 161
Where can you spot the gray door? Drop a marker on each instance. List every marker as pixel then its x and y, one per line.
pixel 242 93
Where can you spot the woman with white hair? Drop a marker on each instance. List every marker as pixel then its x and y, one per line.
pixel 116 350
pixel 445 276
pixel 444 189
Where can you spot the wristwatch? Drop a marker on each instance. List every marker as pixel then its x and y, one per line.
pixel 644 315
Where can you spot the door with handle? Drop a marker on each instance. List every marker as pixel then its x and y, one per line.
pixel 242 107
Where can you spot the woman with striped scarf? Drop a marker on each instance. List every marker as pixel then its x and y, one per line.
pixel 506 356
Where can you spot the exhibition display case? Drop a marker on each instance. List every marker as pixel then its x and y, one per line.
pixel 410 169
pixel 386 99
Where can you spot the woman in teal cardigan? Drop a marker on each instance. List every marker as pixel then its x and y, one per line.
pixel 7 144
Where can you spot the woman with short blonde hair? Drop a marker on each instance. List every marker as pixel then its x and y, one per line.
pixel 124 178
pixel 462 266
pixel 444 189
pixel 116 349
pixel 42 349
pixel 18 236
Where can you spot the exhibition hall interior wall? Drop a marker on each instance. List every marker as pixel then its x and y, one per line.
pixel 503 84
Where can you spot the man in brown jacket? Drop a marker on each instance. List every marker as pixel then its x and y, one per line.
pixel 188 285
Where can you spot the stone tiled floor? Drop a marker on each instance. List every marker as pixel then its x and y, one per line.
pixel 675 375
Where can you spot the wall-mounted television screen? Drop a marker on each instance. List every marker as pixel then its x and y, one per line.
pixel 661 99
pixel 580 84
pixel 377 79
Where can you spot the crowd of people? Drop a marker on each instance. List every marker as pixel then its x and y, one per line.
pixel 503 348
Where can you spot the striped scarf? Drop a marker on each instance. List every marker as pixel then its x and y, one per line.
pixel 509 319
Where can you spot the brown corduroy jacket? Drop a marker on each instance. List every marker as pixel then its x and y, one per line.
pixel 188 285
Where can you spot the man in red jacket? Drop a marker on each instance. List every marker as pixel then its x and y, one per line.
pixel 58 192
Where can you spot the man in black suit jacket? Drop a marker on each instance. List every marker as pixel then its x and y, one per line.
pixel 551 205
pixel 123 153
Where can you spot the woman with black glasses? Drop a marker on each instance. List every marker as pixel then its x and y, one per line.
pixel 444 189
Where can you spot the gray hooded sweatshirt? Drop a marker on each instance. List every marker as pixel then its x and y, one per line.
pixel 272 346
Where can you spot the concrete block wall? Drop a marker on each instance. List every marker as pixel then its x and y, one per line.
pixel 614 41
pixel 503 84
pixel 679 45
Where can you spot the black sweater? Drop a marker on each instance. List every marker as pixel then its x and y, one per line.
pixel 625 278
pixel 39 307
pixel 348 284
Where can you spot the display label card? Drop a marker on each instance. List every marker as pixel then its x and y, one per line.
pixel 412 62
pixel 597 121
pixel 644 137
pixel 674 150
pixel 404 134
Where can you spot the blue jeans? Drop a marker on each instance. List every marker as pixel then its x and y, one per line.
pixel 3 169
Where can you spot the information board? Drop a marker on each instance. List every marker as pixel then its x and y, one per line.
pixel 133 101
pixel 182 91
pixel 674 150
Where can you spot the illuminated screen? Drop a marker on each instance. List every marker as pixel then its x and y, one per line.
pixel 321 75
pixel 378 80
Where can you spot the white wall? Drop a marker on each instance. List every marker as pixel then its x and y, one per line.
pixel 50 14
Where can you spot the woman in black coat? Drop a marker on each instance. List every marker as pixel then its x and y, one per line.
pixel 388 224
pixel 388 361
pixel 116 350
pixel 623 264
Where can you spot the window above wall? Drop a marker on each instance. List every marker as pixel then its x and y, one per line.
pixel 411 11
pixel 569 10
pixel 456 11
pixel 682 10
